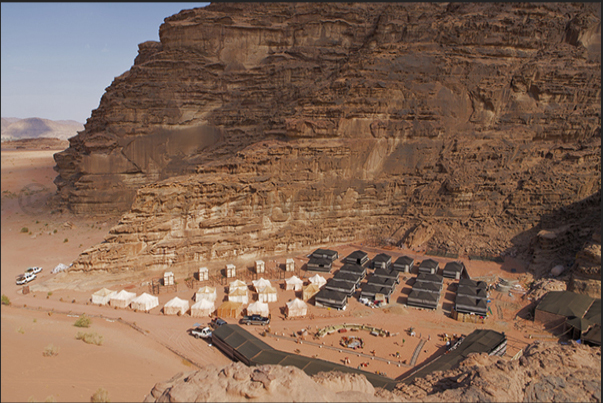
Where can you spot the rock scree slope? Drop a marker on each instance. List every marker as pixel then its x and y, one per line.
pixel 255 129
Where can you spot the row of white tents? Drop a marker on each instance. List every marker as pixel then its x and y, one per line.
pixel 144 302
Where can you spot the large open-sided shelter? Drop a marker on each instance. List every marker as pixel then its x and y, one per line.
pixel 229 309
pixel 102 296
pixel 309 291
pixel 454 270
pixel 203 308
pixel 122 299
pixel 240 345
pixel 294 283
pixel 175 306
pixel 479 341
pixel 206 292
pixel 328 254
pixel 349 277
pixel 357 257
pixel 429 266
pixel 296 308
pixel 319 264
pixel 267 294
pixel 318 280
pixel 382 261
pixel 144 302
pixel 258 308
pixel 330 299
pixel 341 286
pixel 423 299
pixel 404 264
pixel 353 268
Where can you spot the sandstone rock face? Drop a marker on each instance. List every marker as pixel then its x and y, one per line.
pixel 265 128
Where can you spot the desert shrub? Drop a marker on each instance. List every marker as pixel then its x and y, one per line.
pixel 100 396
pixel 83 321
pixel 50 351
pixel 50 399
pixel 37 222
pixel 65 240
pixel 90 338
pixel 49 293
pixel 5 300
pixel 24 230
pixel 20 330
pixel 35 320
pixel 54 232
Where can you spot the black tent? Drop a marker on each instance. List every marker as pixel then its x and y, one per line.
pixel 433 278
pixel 453 270
pixel 325 254
pixel 349 277
pixel 423 299
pixel 404 264
pixel 382 261
pixel 353 269
pixel 330 299
pixel 429 266
pixel 473 283
pixel 392 274
pixel 345 287
pixel 471 291
pixel 358 257
pixel 319 264
pixel 466 304
pixel 427 286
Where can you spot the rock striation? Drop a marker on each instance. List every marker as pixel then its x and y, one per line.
pixel 265 128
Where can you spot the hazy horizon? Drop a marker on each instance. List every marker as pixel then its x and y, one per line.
pixel 58 58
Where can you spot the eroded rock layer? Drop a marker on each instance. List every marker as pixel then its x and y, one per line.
pixel 259 128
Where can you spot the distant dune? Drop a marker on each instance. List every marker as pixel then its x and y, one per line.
pixel 15 128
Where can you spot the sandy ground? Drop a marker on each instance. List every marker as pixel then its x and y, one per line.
pixel 134 358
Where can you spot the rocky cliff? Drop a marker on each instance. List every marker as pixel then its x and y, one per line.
pixel 263 128
pixel 544 372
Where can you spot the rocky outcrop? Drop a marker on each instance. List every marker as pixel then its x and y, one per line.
pixel 264 128
pixel 543 372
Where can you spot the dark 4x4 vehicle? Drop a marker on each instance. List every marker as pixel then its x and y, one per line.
pixel 217 322
pixel 255 320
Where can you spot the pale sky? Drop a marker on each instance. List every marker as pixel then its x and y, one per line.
pixel 58 58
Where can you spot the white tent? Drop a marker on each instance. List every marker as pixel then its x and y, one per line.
pixel 144 302
pixel 102 296
pixel 208 293
pixel 267 294
pixel 258 308
pixel 297 307
pixel 122 299
pixel 175 306
pixel 294 283
pixel 237 284
pixel 261 283
pixel 318 280
pixel 239 295
pixel 59 268
pixel 204 307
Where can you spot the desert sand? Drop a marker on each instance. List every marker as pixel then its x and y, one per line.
pixel 141 349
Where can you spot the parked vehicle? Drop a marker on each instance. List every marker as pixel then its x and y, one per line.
pixel 255 320
pixel 217 322
pixel 204 333
pixel 25 278
pixel 33 270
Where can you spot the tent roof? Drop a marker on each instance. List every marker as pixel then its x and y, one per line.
pixel 423 295
pixel 382 257
pixel 473 283
pixel 230 305
pixel 258 305
pixel 456 266
pixel 312 287
pixel 262 282
pixel 429 263
pixel 357 254
pixel 579 323
pixel 237 283
pixel 434 278
pixel 294 280
pixel 565 303
pixel 320 252
pixel 203 304
pixel 317 278
pixel 404 260
pixel 176 302
pixel 123 294
pixel 238 292
pixel 146 297
pixel 267 290
pixel 594 312
pixel 297 304
pixel 207 290
pixel 103 292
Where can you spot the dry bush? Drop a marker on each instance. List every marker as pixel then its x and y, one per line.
pixel 100 396
pixel 83 321
pixel 90 338
pixel 50 351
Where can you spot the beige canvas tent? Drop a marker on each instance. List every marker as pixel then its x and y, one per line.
pixel 208 293
pixel 229 309
pixel 237 284
pixel 102 296
pixel 318 280
pixel 239 295
pixel 267 294
pixel 294 283
pixel 310 291
pixel 258 308
pixel 122 299
pixel 175 306
pixel 297 307
pixel 204 307
pixel 144 302
pixel 261 283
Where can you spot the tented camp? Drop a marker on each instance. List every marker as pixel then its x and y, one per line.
pixel 318 280
pixel 237 284
pixel 144 302
pixel 258 308
pixel 297 307
pixel 267 294
pixel 261 283
pixel 310 291
pixel 122 299
pixel 294 283
pixel 206 292
pixel 229 309
pixel 202 308
pixel 102 296
pixel 175 306
pixel 239 295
